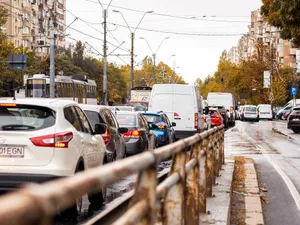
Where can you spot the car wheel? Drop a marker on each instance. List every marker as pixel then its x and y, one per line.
pixel 98 199
pixel 75 210
pixel 296 131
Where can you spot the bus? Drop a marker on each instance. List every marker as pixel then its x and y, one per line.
pixel 77 88
pixel 139 97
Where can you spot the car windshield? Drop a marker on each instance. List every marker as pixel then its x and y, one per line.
pixel 250 109
pixel 93 117
pixel 153 118
pixel 25 117
pixel 140 106
pixel 126 120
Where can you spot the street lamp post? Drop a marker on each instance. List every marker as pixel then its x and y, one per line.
pixel 164 68
pixel 154 55
pixel 132 45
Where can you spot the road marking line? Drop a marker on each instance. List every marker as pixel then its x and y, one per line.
pixel 293 190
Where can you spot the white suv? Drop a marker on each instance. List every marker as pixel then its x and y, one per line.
pixel 44 139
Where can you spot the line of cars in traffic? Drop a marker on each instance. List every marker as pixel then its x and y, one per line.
pixel 44 139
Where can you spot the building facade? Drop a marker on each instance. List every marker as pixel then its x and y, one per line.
pixel 28 23
pixel 284 52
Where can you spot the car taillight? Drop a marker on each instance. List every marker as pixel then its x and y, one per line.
pixel 133 134
pixel 231 109
pixel 176 114
pixel 204 118
pixel 59 140
pixel 196 120
pixel 106 137
pixel 162 127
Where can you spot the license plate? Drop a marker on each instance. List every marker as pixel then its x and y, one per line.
pixel 158 132
pixel 11 151
pixel 296 119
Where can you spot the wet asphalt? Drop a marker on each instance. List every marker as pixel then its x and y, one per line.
pixel 269 149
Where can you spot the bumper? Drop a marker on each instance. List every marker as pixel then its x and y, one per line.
pixel 13 181
pixel 266 116
pixel 180 134
pixel 161 137
pixel 251 118
pixel 134 146
pixel 293 124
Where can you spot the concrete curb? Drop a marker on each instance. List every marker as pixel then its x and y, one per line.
pixel 254 213
pixel 219 207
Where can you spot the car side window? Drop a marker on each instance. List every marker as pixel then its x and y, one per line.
pixel 145 122
pixel 109 118
pixel 71 116
pixel 86 128
pixel 166 120
pixel 141 122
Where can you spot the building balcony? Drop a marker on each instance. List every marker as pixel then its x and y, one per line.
pixel 293 65
pixel 260 18
pixel 281 54
pixel 60 11
pixel 293 51
pixel 61 1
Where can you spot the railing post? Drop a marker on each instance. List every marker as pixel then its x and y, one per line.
pixel 146 189
pixel 210 162
pixel 223 145
pixel 217 155
pixel 174 200
pixel 203 175
pixel 192 190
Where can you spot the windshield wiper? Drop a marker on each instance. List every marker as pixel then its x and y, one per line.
pixel 17 127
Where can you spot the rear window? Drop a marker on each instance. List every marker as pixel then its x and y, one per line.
pixel 139 106
pixel 265 108
pixel 153 118
pixel 250 109
pixel 213 112
pixel 93 117
pixel 221 109
pixel 127 109
pixel 25 117
pixel 126 120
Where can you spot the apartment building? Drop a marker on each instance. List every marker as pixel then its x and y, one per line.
pixel 28 23
pixel 233 55
pixel 283 50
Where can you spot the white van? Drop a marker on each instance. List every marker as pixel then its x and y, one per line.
pixel 265 111
pixel 226 100
pixel 183 105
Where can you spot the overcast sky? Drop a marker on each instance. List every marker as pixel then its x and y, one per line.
pixel 196 55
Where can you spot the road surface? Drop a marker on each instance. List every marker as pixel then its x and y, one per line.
pixel 277 160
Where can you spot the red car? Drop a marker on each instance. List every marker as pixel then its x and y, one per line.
pixel 216 117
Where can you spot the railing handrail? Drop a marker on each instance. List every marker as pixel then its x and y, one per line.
pixel 38 203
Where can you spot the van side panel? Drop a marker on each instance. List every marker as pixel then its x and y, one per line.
pixel 180 103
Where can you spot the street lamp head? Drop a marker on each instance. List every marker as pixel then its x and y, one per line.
pixel 141 38
pixel 173 55
pixel 116 11
pixel 167 37
pixel 150 11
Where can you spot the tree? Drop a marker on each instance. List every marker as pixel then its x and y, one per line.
pixel 3 19
pixel 283 14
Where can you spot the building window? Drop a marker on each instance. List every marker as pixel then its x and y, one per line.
pixel 26 30
pixel 280 47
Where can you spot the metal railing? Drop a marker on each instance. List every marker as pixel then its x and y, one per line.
pixel 179 199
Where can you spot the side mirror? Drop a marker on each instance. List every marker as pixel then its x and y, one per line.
pixel 173 124
pixel 206 110
pixel 123 130
pixel 100 128
pixel 227 110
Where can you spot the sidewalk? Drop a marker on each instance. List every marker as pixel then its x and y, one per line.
pixel 281 128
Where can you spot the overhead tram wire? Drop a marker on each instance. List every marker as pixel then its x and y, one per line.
pixel 175 16
pixel 185 33
pixel 89 24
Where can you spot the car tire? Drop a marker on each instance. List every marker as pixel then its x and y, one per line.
pixel 296 131
pixel 74 211
pixel 98 199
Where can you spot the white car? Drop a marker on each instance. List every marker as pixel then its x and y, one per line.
pixel 44 139
pixel 250 112
pixel 265 111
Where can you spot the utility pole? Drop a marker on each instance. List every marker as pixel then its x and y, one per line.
pixel 132 62
pixel 153 69
pixel 104 98
pixel 163 75
pixel 52 60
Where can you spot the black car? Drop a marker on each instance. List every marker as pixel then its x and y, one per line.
pixel 139 137
pixel 113 137
pixel 293 121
